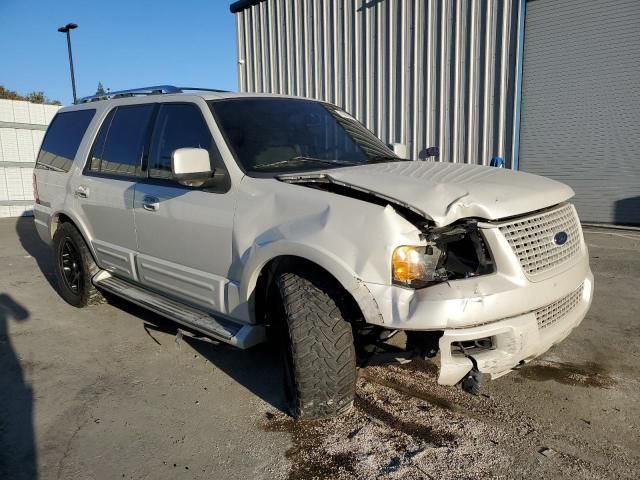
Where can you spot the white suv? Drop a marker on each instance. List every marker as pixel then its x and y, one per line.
pixel 238 214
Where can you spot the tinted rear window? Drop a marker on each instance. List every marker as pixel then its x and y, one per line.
pixel 120 143
pixel 62 140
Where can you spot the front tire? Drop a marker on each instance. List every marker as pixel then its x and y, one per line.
pixel 320 358
pixel 74 267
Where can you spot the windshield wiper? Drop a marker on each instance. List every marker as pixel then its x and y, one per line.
pixel 308 159
pixel 327 161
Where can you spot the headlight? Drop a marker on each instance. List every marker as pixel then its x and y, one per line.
pixel 451 253
pixel 413 266
pixel 408 264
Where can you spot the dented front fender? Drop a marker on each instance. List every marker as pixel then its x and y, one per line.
pixel 351 239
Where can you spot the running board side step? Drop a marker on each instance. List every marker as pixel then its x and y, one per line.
pixel 237 334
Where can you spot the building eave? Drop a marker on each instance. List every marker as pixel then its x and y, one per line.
pixel 240 5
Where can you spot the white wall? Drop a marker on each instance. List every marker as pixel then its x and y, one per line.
pixel 19 145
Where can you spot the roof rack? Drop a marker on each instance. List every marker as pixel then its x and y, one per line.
pixel 155 90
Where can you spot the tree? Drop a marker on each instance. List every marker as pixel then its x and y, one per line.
pixel 33 97
pixel 7 94
pixel 100 90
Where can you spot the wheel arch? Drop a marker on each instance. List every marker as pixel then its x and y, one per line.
pixel 60 217
pixel 258 275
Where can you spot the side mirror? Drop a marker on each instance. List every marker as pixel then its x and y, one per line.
pixel 191 166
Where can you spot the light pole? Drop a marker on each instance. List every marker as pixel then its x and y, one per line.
pixel 67 29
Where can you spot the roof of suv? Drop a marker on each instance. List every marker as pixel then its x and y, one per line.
pixel 170 91
pixel 224 95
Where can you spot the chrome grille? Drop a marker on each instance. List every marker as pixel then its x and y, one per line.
pixel 547 316
pixel 532 239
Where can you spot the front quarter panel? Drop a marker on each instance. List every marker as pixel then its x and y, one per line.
pixel 351 239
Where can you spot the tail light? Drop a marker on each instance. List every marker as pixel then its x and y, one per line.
pixel 35 189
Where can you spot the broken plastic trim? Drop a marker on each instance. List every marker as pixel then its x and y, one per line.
pixel 468 347
pixel 454 252
pixel 463 251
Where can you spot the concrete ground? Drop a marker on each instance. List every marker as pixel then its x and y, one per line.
pixel 111 392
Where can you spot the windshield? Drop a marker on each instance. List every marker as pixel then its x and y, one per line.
pixel 282 135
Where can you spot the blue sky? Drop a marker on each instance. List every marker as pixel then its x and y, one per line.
pixel 123 44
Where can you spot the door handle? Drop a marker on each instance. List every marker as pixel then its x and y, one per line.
pixel 151 204
pixel 82 191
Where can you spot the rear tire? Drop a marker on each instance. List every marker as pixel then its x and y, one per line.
pixel 74 267
pixel 317 342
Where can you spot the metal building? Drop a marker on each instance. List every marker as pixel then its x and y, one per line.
pixel 581 103
pixel 464 75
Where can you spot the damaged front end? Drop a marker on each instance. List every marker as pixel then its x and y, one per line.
pixel 457 251
pixel 459 288
pixel 451 253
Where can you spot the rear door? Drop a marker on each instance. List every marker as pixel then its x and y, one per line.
pixel 105 192
pixel 184 233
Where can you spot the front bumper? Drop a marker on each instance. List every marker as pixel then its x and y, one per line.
pixel 506 306
pixel 514 340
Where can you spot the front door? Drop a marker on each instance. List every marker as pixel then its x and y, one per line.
pixel 184 233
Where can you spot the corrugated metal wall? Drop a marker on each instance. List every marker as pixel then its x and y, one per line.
pixel 22 127
pixel 424 73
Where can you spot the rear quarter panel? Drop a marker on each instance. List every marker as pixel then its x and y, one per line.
pixel 54 188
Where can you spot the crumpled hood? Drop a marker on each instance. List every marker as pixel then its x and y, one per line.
pixel 446 192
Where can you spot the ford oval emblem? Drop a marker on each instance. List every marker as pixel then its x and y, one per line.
pixel 560 238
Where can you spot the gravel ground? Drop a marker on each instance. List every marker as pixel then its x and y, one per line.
pixel 112 392
pixel 405 426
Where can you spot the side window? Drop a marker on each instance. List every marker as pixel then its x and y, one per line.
pixel 121 140
pixel 98 144
pixel 178 126
pixel 62 140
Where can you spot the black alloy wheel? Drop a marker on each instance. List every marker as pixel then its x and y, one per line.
pixel 74 267
pixel 71 266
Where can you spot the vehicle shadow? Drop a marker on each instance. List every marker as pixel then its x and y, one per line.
pixel 17 439
pixel 257 369
pixel 34 246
